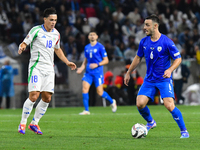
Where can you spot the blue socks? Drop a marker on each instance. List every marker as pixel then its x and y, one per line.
pixel 107 97
pixel 176 114
pixel 86 101
pixel 145 113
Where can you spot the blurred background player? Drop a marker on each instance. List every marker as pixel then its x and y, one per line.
pixel 180 76
pixel 95 58
pixel 6 82
pixel 158 50
pixel 45 40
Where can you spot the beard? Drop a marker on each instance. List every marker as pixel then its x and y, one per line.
pixel 150 33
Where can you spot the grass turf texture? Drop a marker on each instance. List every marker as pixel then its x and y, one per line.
pixel 63 128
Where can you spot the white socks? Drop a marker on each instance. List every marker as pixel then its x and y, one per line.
pixel 27 108
pixel 39 112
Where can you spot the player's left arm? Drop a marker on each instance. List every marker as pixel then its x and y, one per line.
pixel 175 64
pixel 175 54
pixel 62 57
pixel 103 62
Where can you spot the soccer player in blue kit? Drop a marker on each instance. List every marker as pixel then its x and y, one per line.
pixel 158 50
pixel 95 58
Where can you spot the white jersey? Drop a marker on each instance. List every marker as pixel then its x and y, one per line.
pixel 42 44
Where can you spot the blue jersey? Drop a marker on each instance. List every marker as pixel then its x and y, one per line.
pixel 158 56
pixel 94 54
pixel 6 81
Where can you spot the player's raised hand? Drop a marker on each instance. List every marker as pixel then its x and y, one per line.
pixel 126 79
pixel 71 65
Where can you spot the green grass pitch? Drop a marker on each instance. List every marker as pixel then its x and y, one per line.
pixel 64 129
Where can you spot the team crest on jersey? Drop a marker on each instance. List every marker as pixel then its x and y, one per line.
pixel 95 50
pixel 27 36
pixel 159 48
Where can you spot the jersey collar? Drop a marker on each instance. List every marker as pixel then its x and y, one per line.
pixel 45 29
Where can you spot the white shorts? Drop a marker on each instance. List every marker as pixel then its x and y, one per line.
pixel 39 80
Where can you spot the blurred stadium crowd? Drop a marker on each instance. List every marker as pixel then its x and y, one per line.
pixel 119 24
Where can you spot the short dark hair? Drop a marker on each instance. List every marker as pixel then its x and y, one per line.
pixel 49 11
pixel 154 18
pixel 93 31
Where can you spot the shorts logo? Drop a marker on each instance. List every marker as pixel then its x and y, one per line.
pixel 159 48
pixel 27 36
pixel 170 89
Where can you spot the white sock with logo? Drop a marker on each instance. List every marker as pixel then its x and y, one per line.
pixel 27 108
pixel 39 112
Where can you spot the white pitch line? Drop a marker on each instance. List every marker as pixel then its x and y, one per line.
pixel 74 122
pixel 118 114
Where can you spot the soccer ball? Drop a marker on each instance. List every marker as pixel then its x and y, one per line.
pixel 139 131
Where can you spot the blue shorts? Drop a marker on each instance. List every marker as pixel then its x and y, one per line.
pixel 98 79
pixel 150 89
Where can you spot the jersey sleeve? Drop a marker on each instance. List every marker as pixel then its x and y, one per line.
pixel 103 51
pixel 140 51
pixel 57 46
pixel 32 35
pixel 174 52
pixel 85 51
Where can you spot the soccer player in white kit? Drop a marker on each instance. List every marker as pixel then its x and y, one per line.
pixel 44 40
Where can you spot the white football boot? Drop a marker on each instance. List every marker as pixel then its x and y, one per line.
pixel 84 113
pixel 114 106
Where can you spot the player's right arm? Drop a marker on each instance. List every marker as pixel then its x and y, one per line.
pixel 22 47
pixel 82 67
pixel 133 65
pixel 29 38
pixel 135 62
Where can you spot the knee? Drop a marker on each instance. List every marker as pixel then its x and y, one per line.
pixel 46 97
pixel 140 104
pixel 47 100
pixel 85 90
pixel 99 92
pixel 33 96
pixel 170 106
